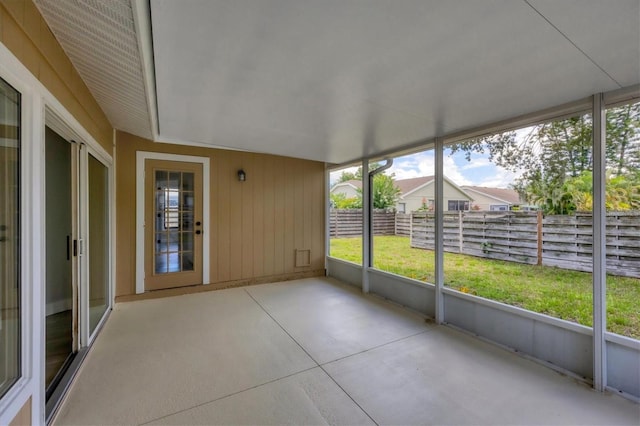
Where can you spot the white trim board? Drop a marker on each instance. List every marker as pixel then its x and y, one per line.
pixel 141 157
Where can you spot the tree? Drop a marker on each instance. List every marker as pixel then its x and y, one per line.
pixel 554 157
pixel 385 191
pixel 623 138
pixel 347 176
pixel 340 201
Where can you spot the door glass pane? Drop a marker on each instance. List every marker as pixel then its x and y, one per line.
pixel 98 242
pixel 187 200
pixel 9 236
pixel 174 230
pixel 59 255
pixel 187 182
pixel 187 261
pixel 187 241
pixel 174 262
pixel 161 264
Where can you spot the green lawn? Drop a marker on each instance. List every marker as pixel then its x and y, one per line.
pixel 557 292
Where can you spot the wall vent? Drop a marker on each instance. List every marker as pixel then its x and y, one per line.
pixel 303 258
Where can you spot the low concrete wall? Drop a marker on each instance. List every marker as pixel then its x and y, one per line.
pixel 560 344
pixel 623 365
pixel 415 295
pixel 347 272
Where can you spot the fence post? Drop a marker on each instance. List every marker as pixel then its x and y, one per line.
pixel 539 237
pixel 411 229
pixel 395 224
pixel 459 231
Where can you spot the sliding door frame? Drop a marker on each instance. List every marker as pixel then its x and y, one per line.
pixel 38 107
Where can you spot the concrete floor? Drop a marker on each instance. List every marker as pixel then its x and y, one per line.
pixel 313 351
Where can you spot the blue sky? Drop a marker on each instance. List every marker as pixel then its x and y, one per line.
pixel 478 172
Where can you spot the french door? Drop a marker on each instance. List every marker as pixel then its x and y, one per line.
pixel 173 224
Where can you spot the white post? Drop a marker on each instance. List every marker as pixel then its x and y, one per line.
pixel 327 222
pixel 439 230
pixel 366 226
pixel 599 244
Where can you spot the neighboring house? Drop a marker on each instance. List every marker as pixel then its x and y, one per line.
pixel 493 199
pixel 419 192
pixel 415 193
pixel 348 188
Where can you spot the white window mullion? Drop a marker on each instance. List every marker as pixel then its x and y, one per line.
pixel 439 230
pixel 599 244
pixel 366 218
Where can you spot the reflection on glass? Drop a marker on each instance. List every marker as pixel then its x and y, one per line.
pixel 174 205
pixel 98 242
pixel 9 237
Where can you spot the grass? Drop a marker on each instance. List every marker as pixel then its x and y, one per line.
pixel 560 293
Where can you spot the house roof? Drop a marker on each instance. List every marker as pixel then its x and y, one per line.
pixel 408 185
pixel 355 183
pixel 405 185
pixel 509 196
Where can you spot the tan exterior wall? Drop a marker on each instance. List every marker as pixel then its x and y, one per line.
pixel 256 225
pixel 347 190
pixel 25 33
pixel 24 415
pixel 414 200
pixel 484 203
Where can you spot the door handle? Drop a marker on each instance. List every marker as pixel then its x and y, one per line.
pixel 198 232
pixel 198 223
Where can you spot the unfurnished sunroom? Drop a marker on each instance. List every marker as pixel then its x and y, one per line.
pixel 156 149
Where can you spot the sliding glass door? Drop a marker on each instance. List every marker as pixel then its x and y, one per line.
pixel 10 313
pixel 61 255
pixel 98 197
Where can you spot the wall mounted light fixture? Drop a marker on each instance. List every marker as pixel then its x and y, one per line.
pixel 242 176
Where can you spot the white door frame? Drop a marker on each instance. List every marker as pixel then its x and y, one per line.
pixel 141 157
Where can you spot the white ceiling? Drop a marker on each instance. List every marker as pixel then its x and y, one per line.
pixel 337 80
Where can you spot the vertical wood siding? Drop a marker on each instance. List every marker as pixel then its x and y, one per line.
pixel 255 226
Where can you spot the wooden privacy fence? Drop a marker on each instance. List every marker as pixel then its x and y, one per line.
pixel 348 223
pixel 529 237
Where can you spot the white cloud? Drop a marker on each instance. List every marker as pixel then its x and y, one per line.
pixel 411 166
pixel 476 163
pixel 501 179
pixel 405 173
pixel 452 172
